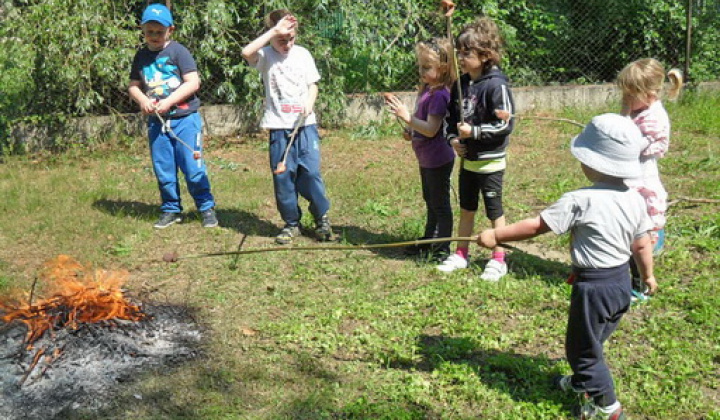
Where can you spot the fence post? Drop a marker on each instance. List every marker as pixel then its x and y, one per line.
pixel 688 40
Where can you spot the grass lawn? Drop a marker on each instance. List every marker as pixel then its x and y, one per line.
pixel 371 333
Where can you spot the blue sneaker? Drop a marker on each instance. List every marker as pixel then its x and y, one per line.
pixel 639 293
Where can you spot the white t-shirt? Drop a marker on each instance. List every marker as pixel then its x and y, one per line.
pixel 286 79
pixel 603 219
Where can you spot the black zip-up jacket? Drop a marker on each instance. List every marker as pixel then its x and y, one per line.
pixel 481 97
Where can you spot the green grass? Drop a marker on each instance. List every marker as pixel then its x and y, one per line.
pixel 370 334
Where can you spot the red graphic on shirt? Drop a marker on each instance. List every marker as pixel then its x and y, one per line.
pixel 291 108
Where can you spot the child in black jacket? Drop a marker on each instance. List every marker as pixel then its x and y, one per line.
pixel 480 133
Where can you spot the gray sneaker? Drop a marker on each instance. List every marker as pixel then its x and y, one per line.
pixel 167 219
pixel 323 230
pixel 209 219
pixel 287 234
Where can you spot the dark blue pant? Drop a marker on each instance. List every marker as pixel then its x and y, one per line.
pixel 302 175
pixel 599 299
pixel 168 155
pixel 436 193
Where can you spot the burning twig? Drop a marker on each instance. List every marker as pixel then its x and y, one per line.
pixel 79 297
pixel 32 291
pixel 34 363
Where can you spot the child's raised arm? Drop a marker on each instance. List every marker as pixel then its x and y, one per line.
pixel 285 26
pixel 427 128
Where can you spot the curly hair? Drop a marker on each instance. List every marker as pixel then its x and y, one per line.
pixel 482 36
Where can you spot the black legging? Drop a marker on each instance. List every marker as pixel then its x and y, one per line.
pixel 436 193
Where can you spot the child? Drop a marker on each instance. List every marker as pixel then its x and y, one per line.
pixel 164 81
pixel 480 133
pixel 290 79
pixel 607 223
pixel 435 156
pixel 641 83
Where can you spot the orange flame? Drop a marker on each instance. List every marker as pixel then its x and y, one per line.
pixel 77 295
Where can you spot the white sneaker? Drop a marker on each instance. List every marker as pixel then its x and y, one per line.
pixel 452 263
pixel 494 271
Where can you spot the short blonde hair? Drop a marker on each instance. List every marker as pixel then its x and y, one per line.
pixel 275 16
pixel 438 52
pixel 645 77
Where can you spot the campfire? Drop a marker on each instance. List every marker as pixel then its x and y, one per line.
pixel 63 348
pixel 78 295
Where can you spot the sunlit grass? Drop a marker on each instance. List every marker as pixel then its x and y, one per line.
pixel 372 334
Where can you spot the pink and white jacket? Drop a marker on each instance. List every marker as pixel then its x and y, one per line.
pixel 654 123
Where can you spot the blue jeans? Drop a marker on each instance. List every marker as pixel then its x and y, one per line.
pixel 302 175
pixel 168 155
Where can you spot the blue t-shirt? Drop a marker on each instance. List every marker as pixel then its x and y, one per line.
pixel 161 72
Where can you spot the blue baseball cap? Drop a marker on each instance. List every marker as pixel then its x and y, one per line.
pixel 157 13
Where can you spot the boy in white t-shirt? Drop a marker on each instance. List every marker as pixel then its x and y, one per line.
pixel 290 78
pixel 608 224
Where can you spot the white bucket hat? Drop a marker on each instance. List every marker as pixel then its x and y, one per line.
pixel 610 144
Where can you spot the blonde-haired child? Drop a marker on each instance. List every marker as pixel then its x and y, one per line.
pixel 290 77
pixel 642 85
pixel 424 128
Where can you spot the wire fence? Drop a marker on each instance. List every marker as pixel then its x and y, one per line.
pixel 368 46
pixel 548 42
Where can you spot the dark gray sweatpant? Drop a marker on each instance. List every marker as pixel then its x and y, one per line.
pixel 599 299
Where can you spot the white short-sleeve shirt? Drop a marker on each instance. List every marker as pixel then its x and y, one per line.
pixel 603 219
pixel 287 79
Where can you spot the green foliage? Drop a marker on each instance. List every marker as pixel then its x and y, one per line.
pixel 72 57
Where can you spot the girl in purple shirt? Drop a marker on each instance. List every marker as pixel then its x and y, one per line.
pixel 424 129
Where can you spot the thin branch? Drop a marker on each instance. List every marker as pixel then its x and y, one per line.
pixel 535 117
pixel 693 200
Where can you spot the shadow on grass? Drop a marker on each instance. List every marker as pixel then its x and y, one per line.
pixel 522 377
pixel 523 266
pixel 132 209
pixel 239 220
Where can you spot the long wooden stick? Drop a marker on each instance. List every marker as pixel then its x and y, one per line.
pixel 174 257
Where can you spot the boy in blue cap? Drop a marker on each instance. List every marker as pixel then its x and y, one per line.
pixel 164 81
pixel 608 225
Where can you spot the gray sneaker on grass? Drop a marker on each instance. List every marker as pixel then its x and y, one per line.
pixel 166 219
pixel 209 218
pixel 323 230
pixel 287 234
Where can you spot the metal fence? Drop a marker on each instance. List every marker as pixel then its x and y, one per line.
pixel 548 42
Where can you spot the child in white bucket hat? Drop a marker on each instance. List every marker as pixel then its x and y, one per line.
pixel 608 224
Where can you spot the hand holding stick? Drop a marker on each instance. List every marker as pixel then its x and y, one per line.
pixel 448 7
pixel 166 129
pixel 282 167
pixel 396 107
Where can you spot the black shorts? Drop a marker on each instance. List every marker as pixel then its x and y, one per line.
pixel 472 183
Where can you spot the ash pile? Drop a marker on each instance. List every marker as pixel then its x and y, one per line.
pixel 81 368
pixel 67 349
